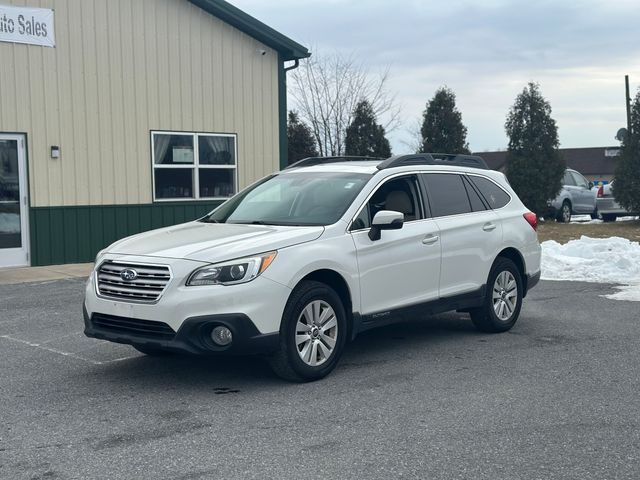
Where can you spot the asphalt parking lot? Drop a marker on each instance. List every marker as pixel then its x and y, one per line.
pixel 557 397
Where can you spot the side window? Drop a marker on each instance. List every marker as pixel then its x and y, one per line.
pixel 492 193
pixel 580 180
pixel 362 220
pixel 477 205
pixel 568 179
pixel 400 195
pixel 447 194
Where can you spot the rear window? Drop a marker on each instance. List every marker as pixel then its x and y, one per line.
pixel 495 196
pixel 447 194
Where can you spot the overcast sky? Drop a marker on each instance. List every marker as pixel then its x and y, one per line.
pixel 486 51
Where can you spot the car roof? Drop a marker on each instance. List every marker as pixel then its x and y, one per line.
pixel 371 167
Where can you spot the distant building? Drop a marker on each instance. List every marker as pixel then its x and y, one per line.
pixel 597 164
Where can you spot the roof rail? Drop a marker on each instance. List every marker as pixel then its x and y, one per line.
pixel 311 161
pixel 458 160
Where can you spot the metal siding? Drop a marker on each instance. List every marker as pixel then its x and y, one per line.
pixel 120 69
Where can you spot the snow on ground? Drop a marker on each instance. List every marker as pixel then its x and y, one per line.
pixel 587 220
pixel 584 219
pixel 599 260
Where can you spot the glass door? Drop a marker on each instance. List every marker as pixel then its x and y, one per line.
pixel 14 241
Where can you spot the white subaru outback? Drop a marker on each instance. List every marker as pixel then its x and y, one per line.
pixel 299 263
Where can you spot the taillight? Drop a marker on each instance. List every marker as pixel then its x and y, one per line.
pixel 532 219
pixel 601 191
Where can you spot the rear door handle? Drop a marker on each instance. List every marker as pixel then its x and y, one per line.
pixel 488 227
pixel 430 239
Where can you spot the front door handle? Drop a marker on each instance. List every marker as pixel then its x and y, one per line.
pixel 430 239
pixel 488 227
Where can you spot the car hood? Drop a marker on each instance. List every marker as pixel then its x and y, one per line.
pixel 213 242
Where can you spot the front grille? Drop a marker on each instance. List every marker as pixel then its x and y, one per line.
pixel 132 326
pixel 147 286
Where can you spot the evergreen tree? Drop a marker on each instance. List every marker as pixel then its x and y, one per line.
pixel 364 137
pixel 535 166
pixel 442 128
pixel 627 183
pixel 300 139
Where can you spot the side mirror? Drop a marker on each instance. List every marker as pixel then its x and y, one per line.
pixel 385 220
pixel 590 185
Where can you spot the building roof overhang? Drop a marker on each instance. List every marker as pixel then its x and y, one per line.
pixel 287 48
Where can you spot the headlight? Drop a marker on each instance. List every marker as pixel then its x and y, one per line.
pixel 99 256
pixel 230 273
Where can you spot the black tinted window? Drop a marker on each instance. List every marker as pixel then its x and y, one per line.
pixel 447 194
pixel 477 205
pixel 492 193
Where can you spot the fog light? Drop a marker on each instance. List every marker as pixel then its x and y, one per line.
pixel 221 336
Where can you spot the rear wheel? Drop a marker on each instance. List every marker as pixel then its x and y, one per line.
pixel 312 334
pixel 503 300
pixel 595 214
pixel 564 215
pixel 608 218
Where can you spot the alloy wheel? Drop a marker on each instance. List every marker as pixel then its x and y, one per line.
pixel 505 295
pixel 316 333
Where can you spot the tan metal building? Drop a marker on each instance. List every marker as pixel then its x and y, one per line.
pixel 130 115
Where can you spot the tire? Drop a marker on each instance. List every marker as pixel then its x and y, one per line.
pixel 595 215
pixel 152 351
pixel 608 218
pixel 311 305
pixel 564 214
pixel 492 317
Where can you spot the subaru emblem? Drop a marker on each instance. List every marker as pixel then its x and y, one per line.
pixel 128 275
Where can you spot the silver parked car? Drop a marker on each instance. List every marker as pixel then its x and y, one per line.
pixel 608 208
pixel 575 197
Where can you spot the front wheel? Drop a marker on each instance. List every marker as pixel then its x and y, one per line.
pixel 564 215
pixel 312 334
pixel 503 300
pixel 595 215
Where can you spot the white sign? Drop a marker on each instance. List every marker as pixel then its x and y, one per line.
pixel 27 25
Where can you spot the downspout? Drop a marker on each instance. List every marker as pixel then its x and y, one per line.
pixel 282 104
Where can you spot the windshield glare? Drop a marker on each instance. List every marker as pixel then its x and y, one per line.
pixel 293 199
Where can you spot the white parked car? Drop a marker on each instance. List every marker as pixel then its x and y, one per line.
pixel 299 263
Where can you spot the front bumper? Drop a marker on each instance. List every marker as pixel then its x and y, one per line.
pixel 180 318
pixel 193 336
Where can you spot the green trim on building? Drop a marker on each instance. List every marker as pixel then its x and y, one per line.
pixel 76 234
pixel 287 48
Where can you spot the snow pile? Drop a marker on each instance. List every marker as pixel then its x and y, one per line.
pixel 600 260
pixel 584 219
pixel 9 223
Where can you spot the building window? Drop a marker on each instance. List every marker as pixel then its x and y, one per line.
pixel 193 166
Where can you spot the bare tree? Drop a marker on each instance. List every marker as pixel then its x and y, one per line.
pixel 326 91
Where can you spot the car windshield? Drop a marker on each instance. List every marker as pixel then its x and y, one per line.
pixel 293 198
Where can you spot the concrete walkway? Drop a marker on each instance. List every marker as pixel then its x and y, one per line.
pixel 10 276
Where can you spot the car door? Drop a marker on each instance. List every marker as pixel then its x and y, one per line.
pixel 402 268
pixel 470 233
pixel 586 199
